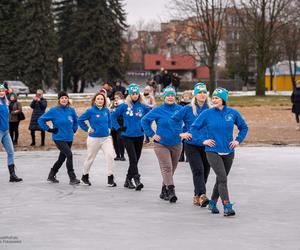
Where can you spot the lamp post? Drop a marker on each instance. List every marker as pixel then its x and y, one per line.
pixel 60 64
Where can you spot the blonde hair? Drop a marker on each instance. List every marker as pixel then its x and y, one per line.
pixel 194 103
pixel 141 99
pixel 187 92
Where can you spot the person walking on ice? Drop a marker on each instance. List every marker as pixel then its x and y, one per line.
pixel 98 128
pixel 64 121
pixel 219 144
pixel 5 136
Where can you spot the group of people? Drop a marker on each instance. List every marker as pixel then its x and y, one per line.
pixel 205 128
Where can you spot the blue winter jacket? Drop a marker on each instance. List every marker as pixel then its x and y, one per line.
pixel 219 125
pixel 64 119
pixel 131 117
pixel 187 116
pixel 161 116
pixel 99 120
pixel 4 115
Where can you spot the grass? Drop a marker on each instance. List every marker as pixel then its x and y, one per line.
pixel 234 101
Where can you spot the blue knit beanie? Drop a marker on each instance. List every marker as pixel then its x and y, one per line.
pixel 221 93
pixel 133 88
pixel 199 87
pixel 169 91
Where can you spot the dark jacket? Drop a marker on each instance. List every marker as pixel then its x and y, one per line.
pixel 39 108
pixel 295 98
pixel 14 109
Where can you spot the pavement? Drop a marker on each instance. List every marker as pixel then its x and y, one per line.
pixel 264 185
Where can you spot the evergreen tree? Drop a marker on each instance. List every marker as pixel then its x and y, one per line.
pixel 9 11
pixel 37 44
pixel 64 12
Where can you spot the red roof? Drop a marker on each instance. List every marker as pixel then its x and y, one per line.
pixel 202 72
pixel 176 62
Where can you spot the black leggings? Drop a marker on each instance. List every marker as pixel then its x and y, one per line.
pixel 199 166
pixel 297 117
pixel 14 131
pixel 133 147
pixel 118 143
pixel 65 152
pixel 221 164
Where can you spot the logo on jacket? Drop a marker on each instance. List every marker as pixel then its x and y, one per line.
pixel 70 118
pixel 229 117
pixel 97 115
pixel 139 113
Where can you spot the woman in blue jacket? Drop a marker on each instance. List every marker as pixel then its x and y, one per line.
pixel 5 137
pixel 132 111
pixel 219 144
pixel 194 149
pixel 99 124
pixel 65 125
pixel 167 143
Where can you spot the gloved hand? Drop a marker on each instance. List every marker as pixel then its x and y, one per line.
pixel 53 130
pixel 122 129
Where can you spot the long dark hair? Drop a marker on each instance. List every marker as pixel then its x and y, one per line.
pixel 94 99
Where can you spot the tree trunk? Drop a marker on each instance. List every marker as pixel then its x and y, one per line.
pixel 82 86
pixel 260 81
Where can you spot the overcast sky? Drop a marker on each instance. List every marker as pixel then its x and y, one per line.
pixel 147 10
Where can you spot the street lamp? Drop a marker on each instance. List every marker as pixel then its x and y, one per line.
pixel 60 64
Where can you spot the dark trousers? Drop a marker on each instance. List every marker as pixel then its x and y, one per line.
pixel 118 143
pixel 65 152
pixel 14 131
pixel 297 117
pixel 133 147
pixel 42 137
pixel 199 166
pixel 182 152
pixel 221 164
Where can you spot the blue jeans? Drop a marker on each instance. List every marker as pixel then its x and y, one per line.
pixel 8 146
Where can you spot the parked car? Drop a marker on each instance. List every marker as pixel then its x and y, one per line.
pixel 18 87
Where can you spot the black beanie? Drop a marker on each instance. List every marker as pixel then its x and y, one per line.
pixel 62 93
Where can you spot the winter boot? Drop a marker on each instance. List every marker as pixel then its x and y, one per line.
pixel 228 211
pixel 196 200
pixel 110 181
pixel 172 195
pixel 128 183
pixel 212 206
pixel 73 179
pixel 13 176
pixel 85 179
pixel 203 200
pixel 138 184
pixel 164 193
pixel 52 177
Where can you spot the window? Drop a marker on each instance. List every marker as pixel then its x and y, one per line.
pixel 173 63
pixel 157 62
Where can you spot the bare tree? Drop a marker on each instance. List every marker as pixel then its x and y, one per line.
pixel 207 18
pixel 290 38
pixel 262 20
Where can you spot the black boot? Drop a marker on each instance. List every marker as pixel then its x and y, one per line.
pixel 172 195
pixel 138 184
pixel 164 193
pixel 85 179
pixel 110 181
pixel 32 139
pixel 52 177
pixel 73 179
pixel 128 183
pixel 13 177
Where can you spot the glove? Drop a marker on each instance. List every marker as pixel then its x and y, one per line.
pixel 53 130
pixel 122 129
